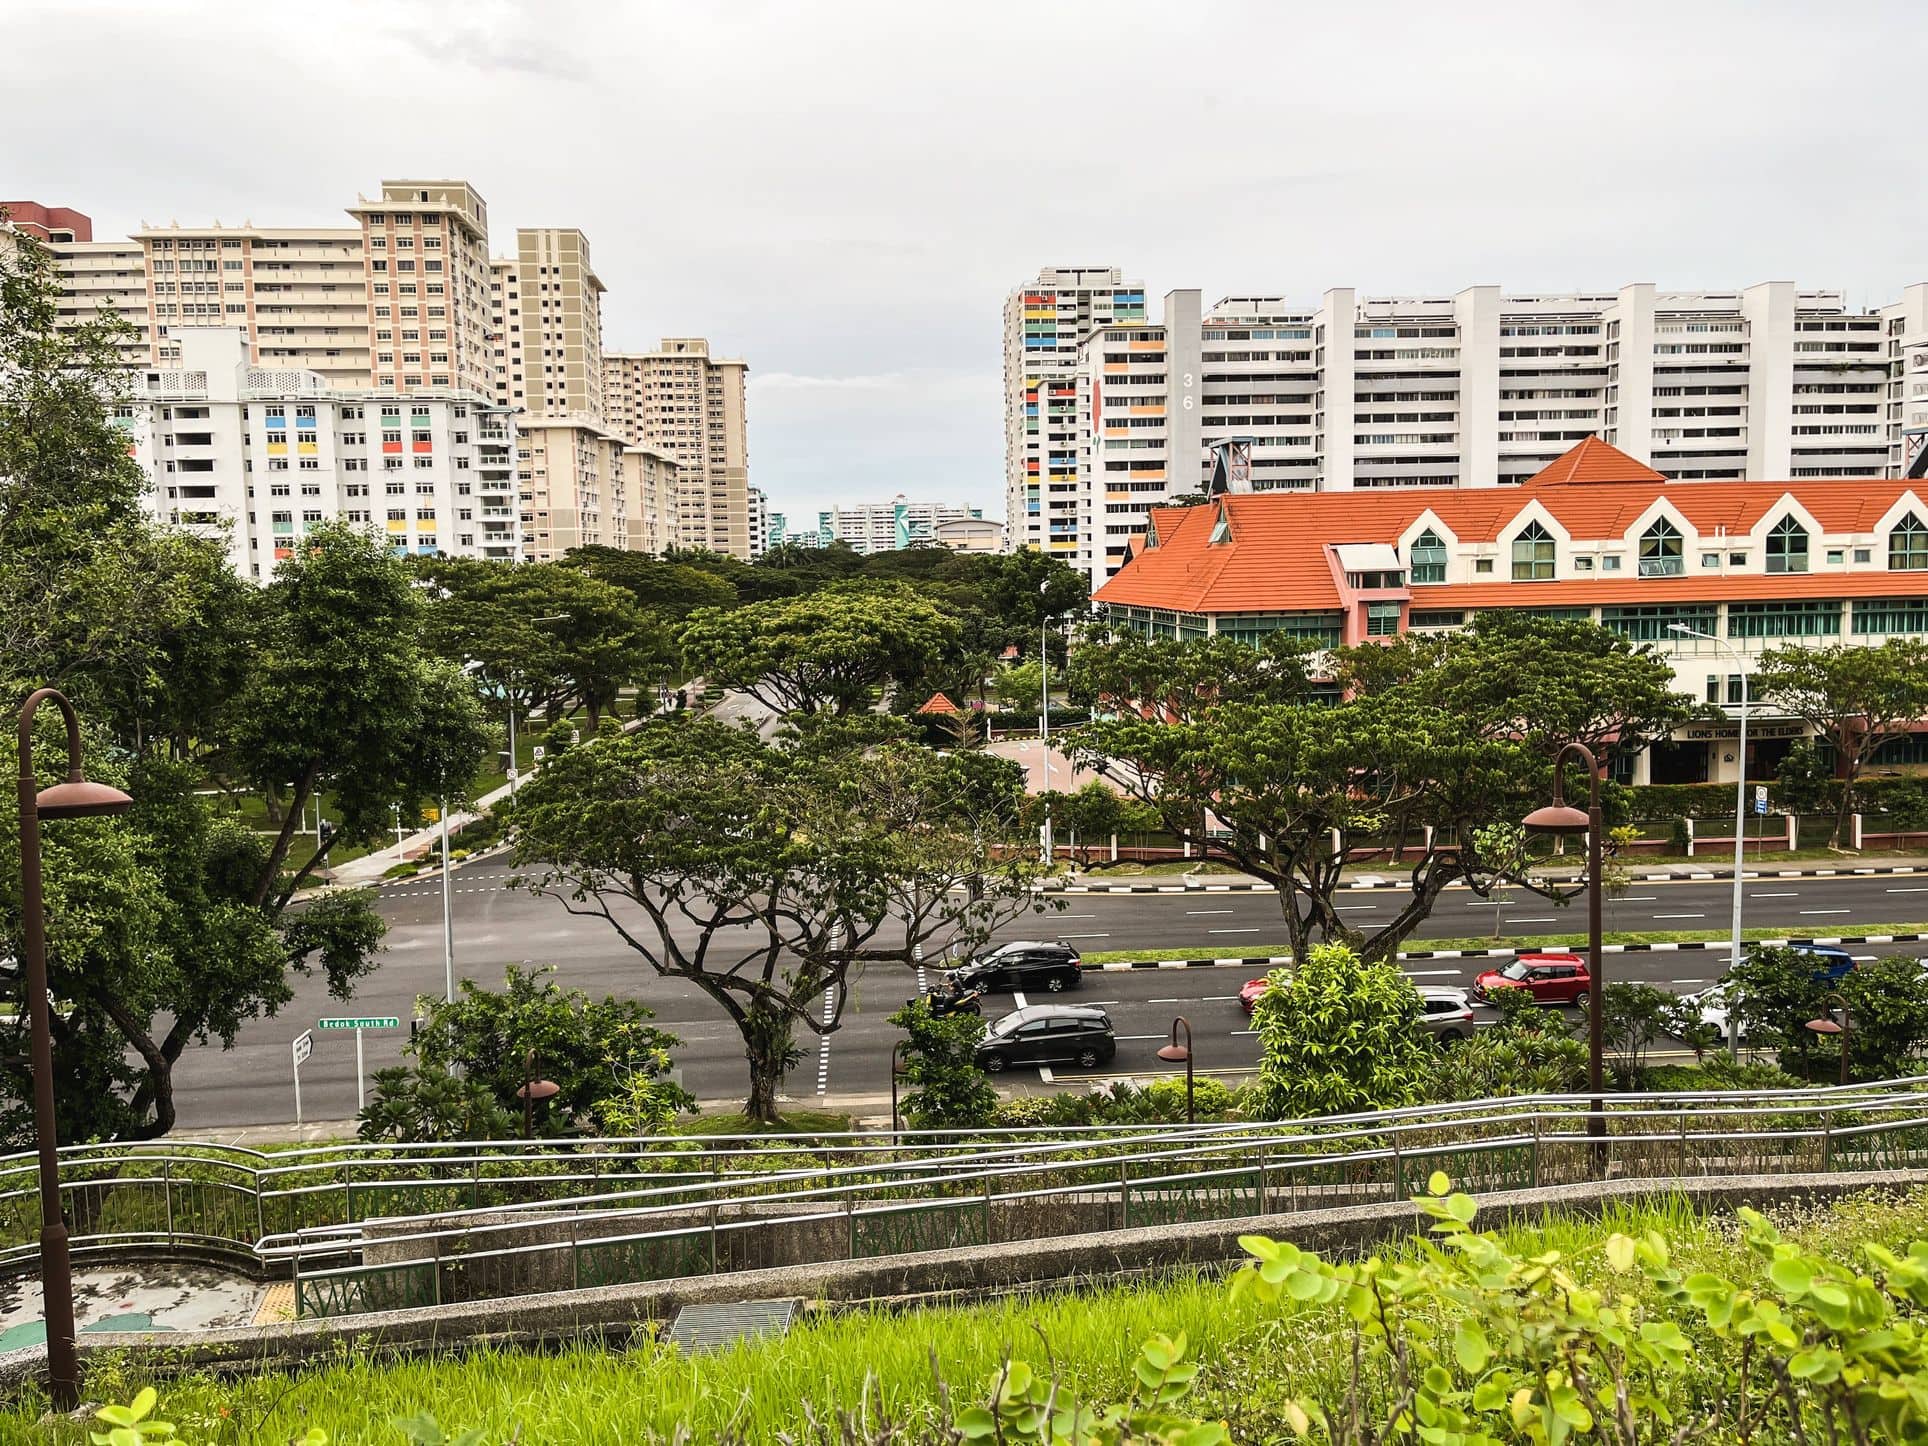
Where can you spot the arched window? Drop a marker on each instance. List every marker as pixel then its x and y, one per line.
pixel 1660 552
pixel 1428 557
pixel 1908 545
pixel 1532 554
pixel 1787 547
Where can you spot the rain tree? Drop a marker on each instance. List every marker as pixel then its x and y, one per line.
pixel 769 875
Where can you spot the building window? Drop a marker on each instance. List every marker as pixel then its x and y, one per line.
pixel 1734 685
pixel 1533 554
pixel 1441 618
pixel 1787 547
pixel 1660 550
pixel 1891 615
pixel 1610 563
pixel 1908 546
pixel 1428 557
pixel 1382 620
pixel 1654 624
pixel 1784 619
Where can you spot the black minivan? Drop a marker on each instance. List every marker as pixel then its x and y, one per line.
pixel 1048 1034
pixel 1020 964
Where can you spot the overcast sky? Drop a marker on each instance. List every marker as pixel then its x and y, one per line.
pixel 842 193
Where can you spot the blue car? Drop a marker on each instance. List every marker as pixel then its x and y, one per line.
pixel 1831 963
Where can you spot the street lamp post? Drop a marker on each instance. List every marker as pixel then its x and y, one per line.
pixel 896 1051
pixel 531 1090
pixel 1560 818
pixel 448 914
pixel 1174 1053
pixel 1740 809
pixel 1044 721
pixel 1845 1029
pixel 76 798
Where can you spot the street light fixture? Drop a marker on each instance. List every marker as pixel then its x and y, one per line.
pixel 1561 818
pixel 76 798
pixel 1740 808
pixel 1845 1029
pixel 1176 1053
pixel 532 1089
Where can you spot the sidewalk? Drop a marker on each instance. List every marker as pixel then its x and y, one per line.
pixel 1394 876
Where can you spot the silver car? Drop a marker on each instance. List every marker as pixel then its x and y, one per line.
pixel 1449 1012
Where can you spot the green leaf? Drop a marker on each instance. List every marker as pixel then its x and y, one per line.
pixel 1470 1347
pixel 1439 1183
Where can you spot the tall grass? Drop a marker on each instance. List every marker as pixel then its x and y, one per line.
pixel 881 1363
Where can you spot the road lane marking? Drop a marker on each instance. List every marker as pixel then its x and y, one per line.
pixel 1686 981
pixel 1140 1036
pixel 1077 916
pixel 1638 899
pixel 1431 973
pixel 1547 920
pixel 1827 911
pixel 1045 1076
pixel 1916 890
pixel 1084 936
pixel 1688 916
pixel 1254 931
pixel 823 1054
pixel 1358 908
pixel 1190 912
pixel 1788 895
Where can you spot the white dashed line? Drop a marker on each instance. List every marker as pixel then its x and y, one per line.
pixel 1686 916
pixel 1084 936
pixel 1827 911
pixel 823 1051
pixel 1191 912
pixel 1234 931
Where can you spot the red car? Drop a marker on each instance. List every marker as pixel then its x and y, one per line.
pixel 1249 995
pixel 1550 978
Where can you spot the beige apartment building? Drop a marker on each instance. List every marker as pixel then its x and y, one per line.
pixel 689 406
pixel 582 486
pixel 299 294
pixel 427 247
pixel 546 320
pixel 95 276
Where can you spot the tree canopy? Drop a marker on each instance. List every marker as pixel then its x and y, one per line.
pixel 765 874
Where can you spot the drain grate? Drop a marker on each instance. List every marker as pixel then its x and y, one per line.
pixel 708 1327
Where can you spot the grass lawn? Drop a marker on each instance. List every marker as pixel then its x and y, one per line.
pixel 794 1122
pixel 882 1365
pixel 1536 941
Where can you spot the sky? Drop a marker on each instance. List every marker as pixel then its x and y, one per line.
pixel 842 192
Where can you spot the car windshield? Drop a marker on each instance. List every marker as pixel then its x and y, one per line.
pixel 1516 970
pixel 1009 1021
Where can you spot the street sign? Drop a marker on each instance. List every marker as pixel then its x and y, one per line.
pixel 1760 798
pixel 367 1021
pixel 538 753
pixel 512 775
pixel 304 1045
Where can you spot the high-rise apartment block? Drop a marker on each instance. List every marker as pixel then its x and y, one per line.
pixel 405 301
pixel 427 250
pixel 1044 321
pixel 759 522
pixel 687 405
pixel 546 317
pixel 871 527
pixel 262 455
pixel 1476 389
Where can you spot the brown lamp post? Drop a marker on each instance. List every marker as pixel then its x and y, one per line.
pixel 1845 1029
pixel 1176 1053
pixel 76 798
pixel 532 1089
pixel 896 1071
pixel 1560 818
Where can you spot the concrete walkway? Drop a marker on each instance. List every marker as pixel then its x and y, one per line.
pixel 161 1297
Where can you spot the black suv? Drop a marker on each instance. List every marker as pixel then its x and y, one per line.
pixel 1048 1034
pixel 1021 964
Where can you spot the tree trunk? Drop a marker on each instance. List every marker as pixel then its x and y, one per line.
pixel 1849 770
pixel 767 1047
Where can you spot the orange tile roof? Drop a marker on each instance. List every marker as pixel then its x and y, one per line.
pixel 1276 558
pixel 1594 461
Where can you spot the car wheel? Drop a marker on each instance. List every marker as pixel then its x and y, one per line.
pixel 993 1063
pixel 1054 984
pixel 1450 1036
pixel 1088 1059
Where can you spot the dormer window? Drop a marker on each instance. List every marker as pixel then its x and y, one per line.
pixel 1908 545
pixel 1660 550
pixel 1533 554
pixel 1787 547
pixel 1428 557
pixel 1221 530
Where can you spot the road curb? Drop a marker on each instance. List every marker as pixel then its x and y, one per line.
pixel 1507 951
pixel 1681 876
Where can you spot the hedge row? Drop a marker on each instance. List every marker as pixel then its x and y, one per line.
pixel 1906 798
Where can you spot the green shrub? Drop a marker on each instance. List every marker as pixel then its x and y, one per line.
pixel 1339 1035
pixel 948 1090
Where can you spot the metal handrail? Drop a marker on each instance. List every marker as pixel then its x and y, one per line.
pixel 227 1196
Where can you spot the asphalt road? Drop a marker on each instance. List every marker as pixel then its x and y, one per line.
pixel 496 926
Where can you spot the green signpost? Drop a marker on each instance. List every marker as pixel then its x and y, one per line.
pixel 356 1022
